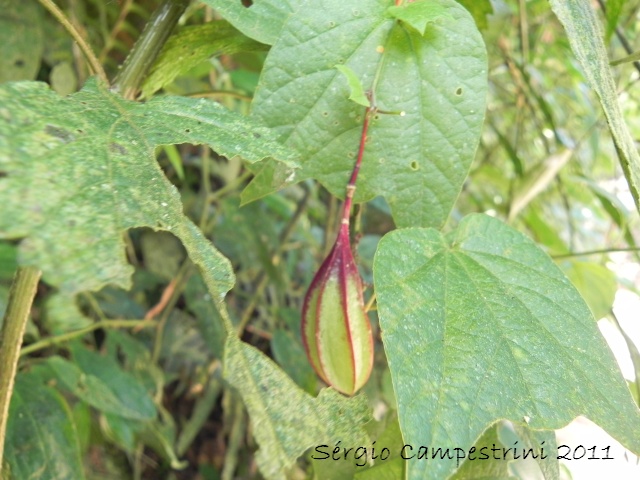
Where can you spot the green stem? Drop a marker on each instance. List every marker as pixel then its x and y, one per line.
pixel 84 46
pixel 235 439
pixel 146 50
pixel 595 252
pixel 65 337
pixel 21 296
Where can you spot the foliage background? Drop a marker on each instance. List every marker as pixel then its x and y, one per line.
pixel 546 165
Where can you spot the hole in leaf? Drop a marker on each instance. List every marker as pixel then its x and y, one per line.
pixel 18 63
pixel 256 135
pixel 459 91
pixel 3 174
pixel 247 3
pixel 414 165
pixel 187 130
pixel 325 114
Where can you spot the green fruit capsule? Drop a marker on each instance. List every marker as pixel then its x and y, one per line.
pixel 335 327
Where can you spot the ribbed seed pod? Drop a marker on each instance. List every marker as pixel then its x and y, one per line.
pixel 335 327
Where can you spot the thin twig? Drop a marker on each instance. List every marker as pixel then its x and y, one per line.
pixel 65 337
pixel 179 281
pixel 164 299
pixel 84 46
pixel 595 252
pixel 111 40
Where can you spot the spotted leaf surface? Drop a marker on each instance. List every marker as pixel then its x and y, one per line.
pixel 77 172
pixel 417 160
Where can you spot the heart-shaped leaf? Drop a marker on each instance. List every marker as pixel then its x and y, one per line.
pixel 481 325
pixel 437 80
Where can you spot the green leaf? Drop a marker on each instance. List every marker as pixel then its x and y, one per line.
pixel 393 465
pixel 614 9
pixel 504 335
pixel 596 283
pixel 262 21
pixel 286 420
pixel 438 80
pixel 41 439
pixel 478 467
pixel 479 9
pixel 355 86
pixel 8 260
pixel 80 171
pixel 208 318
pixel 289 353
pixel 62 314
pixel 107 388
pixel 418 14
pixel 389 470
pixel 190 47
pixel 585 37
pixel 21 39
pixel 541 441
pixel 162 253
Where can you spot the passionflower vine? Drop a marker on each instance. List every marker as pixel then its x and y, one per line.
pixel 336 331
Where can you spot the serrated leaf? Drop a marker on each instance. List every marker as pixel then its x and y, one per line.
pixel 585 36
pixel 286 420
pixel 418 14
pixel 80 171
pixel 355 86
pixel 41 439
pixel 22 40
pixel 438 80
pixel 190 47
pixel 504 333
pixel 262 21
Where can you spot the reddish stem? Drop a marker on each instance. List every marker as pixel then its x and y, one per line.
pixel 351 187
